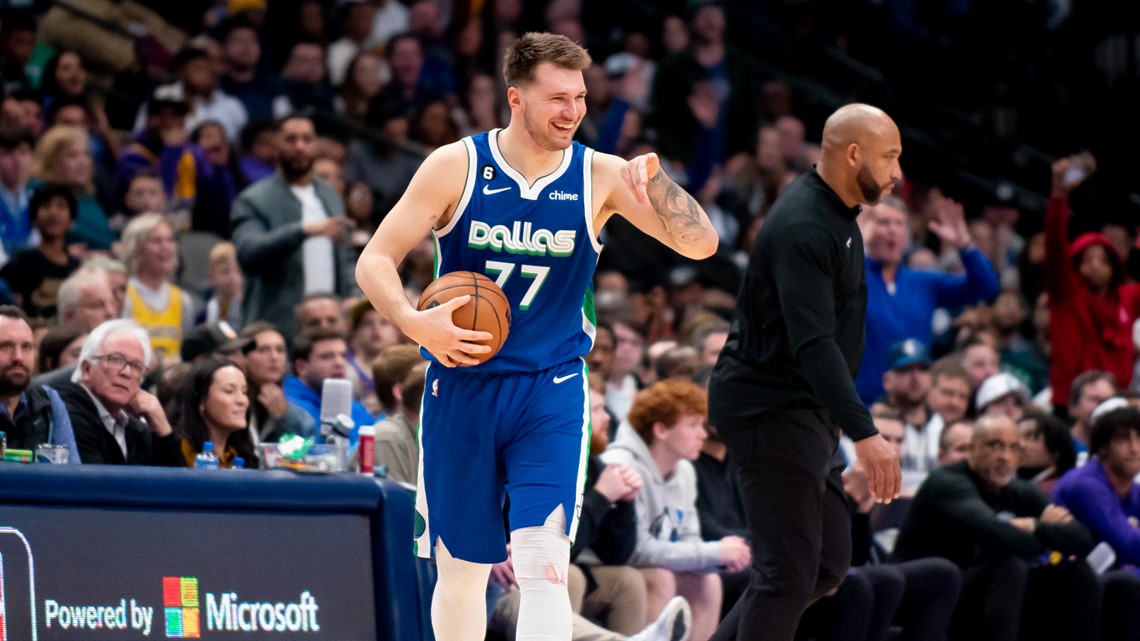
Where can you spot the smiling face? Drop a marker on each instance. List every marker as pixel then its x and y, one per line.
pixel 159 252
pixel 551 106
pixel 226 402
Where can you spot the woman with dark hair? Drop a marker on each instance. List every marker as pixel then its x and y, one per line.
pixel 213 406
pixel 60 346
pixel 35 275
pixel 64 76
pixel 1047 450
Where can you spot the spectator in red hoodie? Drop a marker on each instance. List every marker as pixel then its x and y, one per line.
pixel 1091 309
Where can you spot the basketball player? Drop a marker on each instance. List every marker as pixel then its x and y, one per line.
pixel 783 386
pixel 523 205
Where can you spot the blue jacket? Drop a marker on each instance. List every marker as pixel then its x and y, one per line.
pixel 908 312
pixel 58 427
pixel 309 400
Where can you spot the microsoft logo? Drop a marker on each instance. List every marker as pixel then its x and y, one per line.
pixel 180 601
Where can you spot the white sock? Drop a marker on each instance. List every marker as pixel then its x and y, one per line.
pixel 459 603
pixel 541 558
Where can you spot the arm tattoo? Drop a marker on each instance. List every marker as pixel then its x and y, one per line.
pixel 678 211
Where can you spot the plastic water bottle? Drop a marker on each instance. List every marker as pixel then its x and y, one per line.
pixel 206 460
pixel 238 464
pixel 366 448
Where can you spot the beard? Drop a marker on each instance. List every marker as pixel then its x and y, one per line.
pixel 871 191
pixel 12 384
pixel 295 168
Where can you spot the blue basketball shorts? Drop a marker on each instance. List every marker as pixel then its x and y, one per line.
pixel 487 436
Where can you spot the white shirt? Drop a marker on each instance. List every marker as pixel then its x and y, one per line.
pixel 339 55
pixel 619 398
pixel 221 107
pixel 117 426
pixel 389 20
pixel 920 453
pixel 316 251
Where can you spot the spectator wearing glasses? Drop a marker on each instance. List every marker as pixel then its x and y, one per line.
pixel 115 421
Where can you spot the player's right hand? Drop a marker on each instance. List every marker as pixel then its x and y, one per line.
pixel 735 554
pixel 881 463
pixel 451 345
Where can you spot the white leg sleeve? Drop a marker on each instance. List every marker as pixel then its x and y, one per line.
pixel 541 557
pixel 459 604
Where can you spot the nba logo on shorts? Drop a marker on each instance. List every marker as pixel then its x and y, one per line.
pixel 435 387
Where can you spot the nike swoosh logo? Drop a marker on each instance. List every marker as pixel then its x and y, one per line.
pixel 848 243
pixel 488 191
pixel 563 379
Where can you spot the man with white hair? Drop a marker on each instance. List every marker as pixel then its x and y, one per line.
pixel 85 299
pixel 115 421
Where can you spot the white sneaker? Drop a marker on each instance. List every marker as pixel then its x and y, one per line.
pixel 674 624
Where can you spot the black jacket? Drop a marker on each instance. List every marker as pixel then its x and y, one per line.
pixel 97 445
pixel 953 517
pixel 796 338
pixel 609 529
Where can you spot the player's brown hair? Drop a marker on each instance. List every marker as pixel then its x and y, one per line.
pixel 533 49
pixel 665 402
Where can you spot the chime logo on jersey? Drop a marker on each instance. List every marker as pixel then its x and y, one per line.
pixel 521 238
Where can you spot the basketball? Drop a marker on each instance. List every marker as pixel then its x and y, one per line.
pixel 487 311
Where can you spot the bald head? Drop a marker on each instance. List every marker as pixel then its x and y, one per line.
pixel 861 149
pixel 987 426
pixel 855 124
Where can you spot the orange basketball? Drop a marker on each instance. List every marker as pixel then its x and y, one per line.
pixel 487 311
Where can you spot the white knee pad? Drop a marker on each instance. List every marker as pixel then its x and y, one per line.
pixel 541 556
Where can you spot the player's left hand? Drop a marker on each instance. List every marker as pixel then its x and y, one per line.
pixel 636 175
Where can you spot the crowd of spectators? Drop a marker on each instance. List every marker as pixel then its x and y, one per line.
pixel 183 196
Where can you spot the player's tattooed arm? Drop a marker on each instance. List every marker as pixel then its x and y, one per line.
pixel 679 212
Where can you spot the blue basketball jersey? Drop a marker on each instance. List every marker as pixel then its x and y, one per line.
pixel 537 242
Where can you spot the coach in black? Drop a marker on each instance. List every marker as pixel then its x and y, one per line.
pixel 783 385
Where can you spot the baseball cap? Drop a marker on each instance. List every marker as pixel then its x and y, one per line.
pixel 999 385
pixel 167 96
pixel 908 352
pixel 1106 406
pixel 215 337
